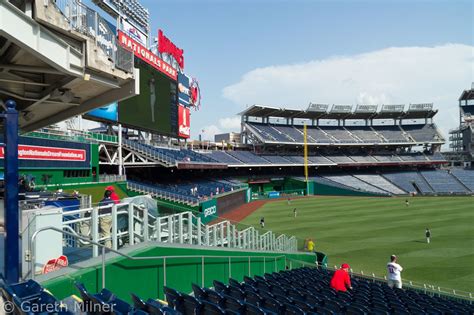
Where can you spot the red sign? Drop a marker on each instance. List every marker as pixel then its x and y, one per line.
pixel 165 45
pixel 32 152
pixel 144 54
pixel 55 264
pixel 184 123
pixel 195 93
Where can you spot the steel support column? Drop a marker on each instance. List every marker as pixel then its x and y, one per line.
pixel 12 229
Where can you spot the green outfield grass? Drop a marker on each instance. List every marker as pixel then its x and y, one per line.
pixel 364 232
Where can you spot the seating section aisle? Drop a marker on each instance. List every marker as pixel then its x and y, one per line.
pixel 464 176
pixel 427 133
pixel 356 183
pixel 381 182
pixel 443 182
pixel 299 291
pixel 408 180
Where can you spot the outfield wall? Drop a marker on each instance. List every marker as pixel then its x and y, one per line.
pixel 326 190
pixel 146 278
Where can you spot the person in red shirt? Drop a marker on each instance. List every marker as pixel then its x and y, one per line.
pixel 340 280
pixel 115 198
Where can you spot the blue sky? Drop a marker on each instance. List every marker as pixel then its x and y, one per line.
pixel 226 41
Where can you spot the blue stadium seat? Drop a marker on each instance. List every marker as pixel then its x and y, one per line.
pixel 173 297
pixel 234 282
pixel 188 305
pixel 233 304
pixel 209 308
pixel 220 287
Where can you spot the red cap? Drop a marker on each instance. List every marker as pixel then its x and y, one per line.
pixel 111 188
pixel 343 266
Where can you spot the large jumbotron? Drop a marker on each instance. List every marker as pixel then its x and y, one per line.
pixel 131 216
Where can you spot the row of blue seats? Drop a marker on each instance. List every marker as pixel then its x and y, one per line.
pixel 299 291
pixel 203 188
pixel 307 291
pixel 347 134
pixel 247 157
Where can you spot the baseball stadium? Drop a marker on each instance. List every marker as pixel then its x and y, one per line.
pixel 133 216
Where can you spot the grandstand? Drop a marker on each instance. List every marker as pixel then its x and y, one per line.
pixel 297 291
pixel 136 206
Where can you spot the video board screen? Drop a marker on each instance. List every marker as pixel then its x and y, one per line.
pixel 156 107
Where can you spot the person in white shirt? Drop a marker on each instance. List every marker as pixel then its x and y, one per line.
pixel 394 273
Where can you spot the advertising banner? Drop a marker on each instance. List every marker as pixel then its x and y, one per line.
pixel 144 54
pixel 184 122
pixel 208 211
pixel 183 89
pixel 274 194
pixel 31 152
pixel 134 33
pixel 109 112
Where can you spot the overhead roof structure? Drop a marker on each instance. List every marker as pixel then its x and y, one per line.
pixel 52 70
pixel 417 111
pixel 320 111
pixel 467 95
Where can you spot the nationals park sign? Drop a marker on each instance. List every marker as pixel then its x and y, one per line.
pixel 144 54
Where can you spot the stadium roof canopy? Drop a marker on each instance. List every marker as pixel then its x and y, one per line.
pixel 467 95
pixel 417 111
pixel 320 111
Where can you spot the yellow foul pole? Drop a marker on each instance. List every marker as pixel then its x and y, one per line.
pixel 306 158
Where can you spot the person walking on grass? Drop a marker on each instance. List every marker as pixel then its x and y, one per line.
pixel 262 222
pixel 407 203
pixel 428 235
pixel 394 273
pixel 294 213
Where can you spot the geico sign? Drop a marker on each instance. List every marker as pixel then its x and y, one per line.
pixel 210 211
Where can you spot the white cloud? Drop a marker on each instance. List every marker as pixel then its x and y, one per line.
pixel 227 124
pixel 230 123
pixel 208 132
pixel 399 75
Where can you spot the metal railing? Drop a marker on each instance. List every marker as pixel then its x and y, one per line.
pixel 423 287
pixel 88 22
pixel 132 224
pixel 72 135
pixel 112 178
pixel 149 151
pixel 161 193
pixel 164 259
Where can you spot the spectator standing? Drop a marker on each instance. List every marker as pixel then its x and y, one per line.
pixel 340 280
pixel 294 213
pixel 113 195
pixel 262 222
pixel 394 273
pixel 407 203
pixel 310 245
pixel 428 235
